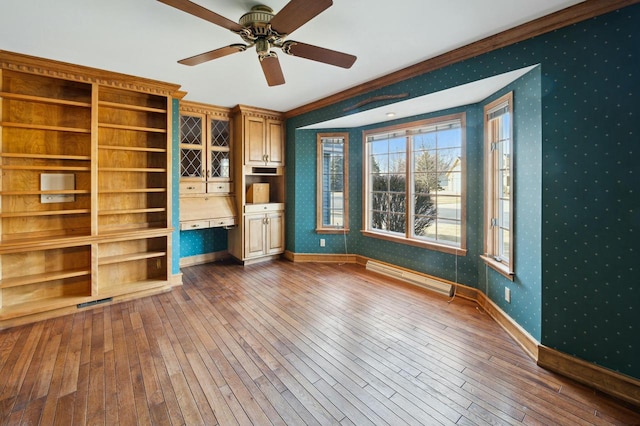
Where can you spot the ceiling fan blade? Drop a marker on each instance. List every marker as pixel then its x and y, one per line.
pixel 199 11
pixel 296 13
pixel 272 70
pixel 213 54
pixel 320 54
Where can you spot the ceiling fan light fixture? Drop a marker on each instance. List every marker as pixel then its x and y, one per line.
pixel 264 29
pixel 262 47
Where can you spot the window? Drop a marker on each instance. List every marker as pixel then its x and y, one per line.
pixel 332 210
pixel 498 221
pixel 415 176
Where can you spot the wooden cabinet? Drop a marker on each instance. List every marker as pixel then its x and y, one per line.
pixel 259 159
pixel 206 182
pixel 264 233
pixel 84 189
pixel 263 141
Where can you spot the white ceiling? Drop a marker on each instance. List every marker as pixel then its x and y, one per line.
pixel 145 38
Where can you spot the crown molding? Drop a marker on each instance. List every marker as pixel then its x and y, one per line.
pixel 563 18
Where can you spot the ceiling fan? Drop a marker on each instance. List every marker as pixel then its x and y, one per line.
pixel 264 29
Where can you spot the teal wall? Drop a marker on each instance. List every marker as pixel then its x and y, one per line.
pixel 175 186
pixel 575 180
pixel 201 241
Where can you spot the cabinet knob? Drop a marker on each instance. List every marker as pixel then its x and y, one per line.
pixel 191 187
pixel 195 226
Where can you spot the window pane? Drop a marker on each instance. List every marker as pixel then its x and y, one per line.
pixel 448 230
pixel 504 243
pixel 499 195
pixel 398 163
pixel 449 138
pixel 398 146
pixel 423 164
pixel 379 147
pixel 190 162
pixel 220 133
pixel 379 164
pixel 219 164
pixel 332 187
pixel 190 130
pixel 504 206
pixel 397 203
pixel 397 183
pixel 425 141
pixel 447 158
pixel 449 207
pixel 397 223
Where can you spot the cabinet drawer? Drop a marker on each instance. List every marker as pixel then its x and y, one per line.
pixel 199 224
pixel 219 187
pixel 192 187
pixel 260 208
pixel 223 221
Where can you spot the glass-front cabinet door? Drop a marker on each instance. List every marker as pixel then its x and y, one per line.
pixel 192 153
pixel 219 150
pixel 205 154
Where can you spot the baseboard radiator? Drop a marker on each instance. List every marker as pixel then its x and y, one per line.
pixel 410 277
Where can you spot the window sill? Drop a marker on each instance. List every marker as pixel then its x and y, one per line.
pixel 500 268
pixel 332 231
pixel 418 243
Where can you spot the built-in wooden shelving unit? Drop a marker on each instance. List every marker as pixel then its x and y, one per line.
pixel 85 193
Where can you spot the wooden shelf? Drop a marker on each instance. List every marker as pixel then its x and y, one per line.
pixel 44 127
pixel 132 148
pixel 45 213
pixel 44 100
pixel 53 192
pixel 28 308
pixel 117 289
pixel 134 169
pixel 41 168
pixel 131 107
pixel 131 190
pixel 131 211
pixel 110 260
pixel 45 156
pixel 47 276
pixel 134 128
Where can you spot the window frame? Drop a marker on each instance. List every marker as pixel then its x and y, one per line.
pixel 321 228
pixel 491 255
pixel 407 239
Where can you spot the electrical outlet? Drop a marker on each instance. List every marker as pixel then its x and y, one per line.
pixel 321 242
pixel 507 294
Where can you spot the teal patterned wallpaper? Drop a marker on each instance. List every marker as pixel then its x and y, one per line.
pixel 591 191
pixel 201 241
pixel 575 290
pixel 175 186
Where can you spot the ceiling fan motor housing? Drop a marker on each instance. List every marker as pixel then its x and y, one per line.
pixel 257 20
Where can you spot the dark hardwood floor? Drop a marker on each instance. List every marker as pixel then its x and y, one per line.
pixel 284 343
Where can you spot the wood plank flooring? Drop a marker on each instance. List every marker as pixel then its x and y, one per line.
pixel 285 344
